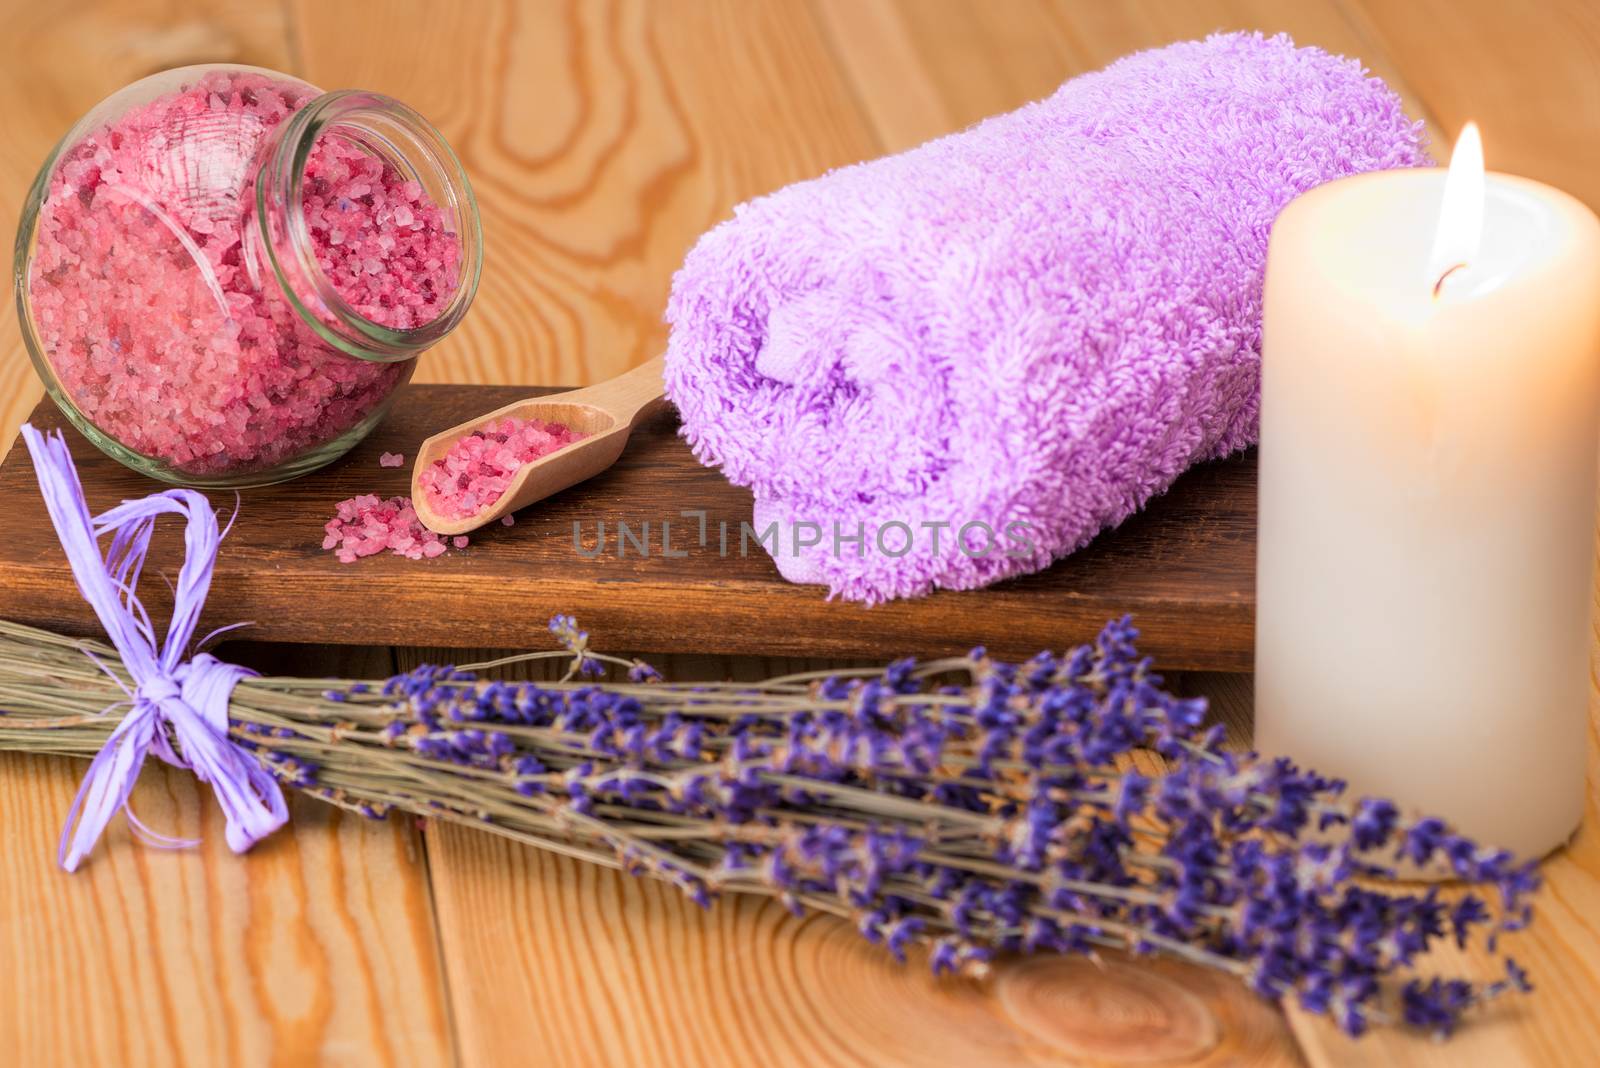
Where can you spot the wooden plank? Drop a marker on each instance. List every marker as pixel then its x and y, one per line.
pixel 316 947
pixel 1184 566
pixel 590 966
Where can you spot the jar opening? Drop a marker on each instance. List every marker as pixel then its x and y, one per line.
pixel 352 284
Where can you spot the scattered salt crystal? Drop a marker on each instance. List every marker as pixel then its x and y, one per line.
pixel 476 470
pixel 459 541
pixel 366 525
pixel 391 459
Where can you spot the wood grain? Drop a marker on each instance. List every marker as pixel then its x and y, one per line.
pixel 628 972
pixel 316 948
pixel 1184 567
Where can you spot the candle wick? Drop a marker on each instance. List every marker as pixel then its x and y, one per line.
pixel 1439 285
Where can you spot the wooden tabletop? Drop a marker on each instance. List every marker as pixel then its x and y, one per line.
pixel 1184 567
pixel 602 138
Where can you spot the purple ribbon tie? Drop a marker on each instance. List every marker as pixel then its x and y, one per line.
pixel 179 708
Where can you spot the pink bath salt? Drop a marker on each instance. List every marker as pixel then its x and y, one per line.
pixel 479 467
pixel 369 524
pixel 391 459
pixel 379 239
pixel 508 520
pixel 459 541
pixel 152 299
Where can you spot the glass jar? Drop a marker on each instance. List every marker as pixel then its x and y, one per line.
pixel 223 274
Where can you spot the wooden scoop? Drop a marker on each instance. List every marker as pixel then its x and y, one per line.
pixel 605 414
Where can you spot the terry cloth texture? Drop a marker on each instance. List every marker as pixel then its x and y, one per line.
pixel 1029 328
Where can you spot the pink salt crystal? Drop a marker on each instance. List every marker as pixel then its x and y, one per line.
pixel 365 525
pixel 459 541
pixel 141 285
pixel 391 459
pixel 476 470
pixel 507 520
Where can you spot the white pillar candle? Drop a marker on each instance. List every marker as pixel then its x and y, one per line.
pixel 1428 477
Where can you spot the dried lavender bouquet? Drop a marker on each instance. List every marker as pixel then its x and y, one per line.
pixel 963 806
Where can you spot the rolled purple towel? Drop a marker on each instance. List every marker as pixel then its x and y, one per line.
pixel 1029 328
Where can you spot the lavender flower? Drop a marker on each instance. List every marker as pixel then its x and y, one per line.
pixel 576 642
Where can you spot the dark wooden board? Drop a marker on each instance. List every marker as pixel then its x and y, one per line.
pixel 1184 567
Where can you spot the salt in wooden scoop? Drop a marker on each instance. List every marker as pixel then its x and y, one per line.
pixel 605 414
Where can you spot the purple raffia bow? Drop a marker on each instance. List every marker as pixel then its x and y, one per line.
pixel 173 700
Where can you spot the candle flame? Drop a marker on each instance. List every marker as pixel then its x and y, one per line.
pixel 1460 229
